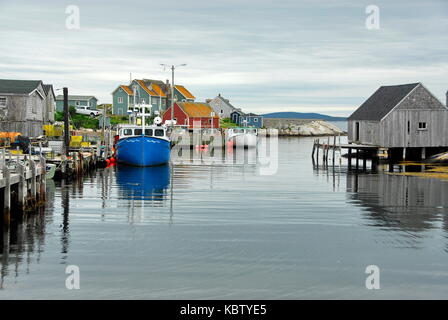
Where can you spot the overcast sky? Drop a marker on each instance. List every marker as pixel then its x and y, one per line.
pixel 265 56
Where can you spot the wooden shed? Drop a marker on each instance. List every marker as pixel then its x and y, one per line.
pixel 400 116
pixel 23 106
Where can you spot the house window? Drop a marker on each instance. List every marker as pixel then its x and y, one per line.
pixel 422 126
pixel 2 101
pixel 120 99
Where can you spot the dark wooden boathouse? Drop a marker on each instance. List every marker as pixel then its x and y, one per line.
pixel 407 120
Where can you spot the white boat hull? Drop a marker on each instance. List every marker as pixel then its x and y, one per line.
pixel 247 140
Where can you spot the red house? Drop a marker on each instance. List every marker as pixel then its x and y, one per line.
pixel 189 113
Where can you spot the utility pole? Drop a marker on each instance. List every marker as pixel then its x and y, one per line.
pixel 66 123
pixel 172 96
pixel 172 67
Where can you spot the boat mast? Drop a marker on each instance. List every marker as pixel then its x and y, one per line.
pixel 143 117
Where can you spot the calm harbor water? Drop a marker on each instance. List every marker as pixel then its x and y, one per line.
pixel 227 232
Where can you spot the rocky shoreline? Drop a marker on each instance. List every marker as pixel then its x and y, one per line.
pixel 303 127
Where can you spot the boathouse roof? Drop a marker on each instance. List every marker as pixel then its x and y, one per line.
pixel 18 86
pixel 382 102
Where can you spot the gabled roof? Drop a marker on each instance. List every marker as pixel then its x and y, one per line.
pixel 76 97
pixel 187 94
pixel 127 89
pixel 156 88
pixel 48 88
pixel 226 101
pixel 196 109
pixel 159 83
pixel 18 86
pixel 239 111
pixel 382 102
pixel 149 91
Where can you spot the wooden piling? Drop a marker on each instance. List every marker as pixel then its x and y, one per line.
pixel 334 149
pixel 364 161
pixel 357 159
pixel 349 159
pixel 6 198
pixel 22 188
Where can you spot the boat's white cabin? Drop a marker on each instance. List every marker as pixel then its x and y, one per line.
pixel 150 131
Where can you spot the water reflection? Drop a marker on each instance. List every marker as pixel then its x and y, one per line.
pixel 64 228
pixel 148 183
pixel 407 204
pixel 24 242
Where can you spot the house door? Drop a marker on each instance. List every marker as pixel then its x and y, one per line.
pixel 357 131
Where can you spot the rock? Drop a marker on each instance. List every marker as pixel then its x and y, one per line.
pixel 305 128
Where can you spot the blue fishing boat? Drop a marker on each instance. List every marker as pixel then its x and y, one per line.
pixel 143 145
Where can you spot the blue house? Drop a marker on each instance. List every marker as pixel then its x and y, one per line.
pixel 154 95
pixel 246 119
pixel 76 101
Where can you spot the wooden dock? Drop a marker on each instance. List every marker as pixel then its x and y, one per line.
pixel 331 147
pixel 22 184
